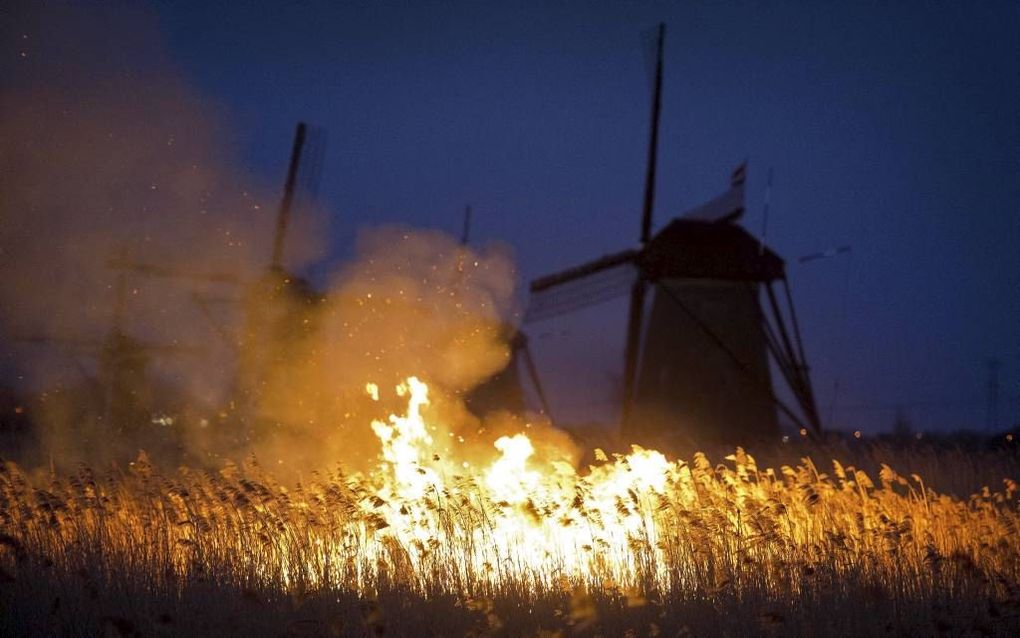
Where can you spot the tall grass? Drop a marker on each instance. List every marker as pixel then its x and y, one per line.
pixel 721 549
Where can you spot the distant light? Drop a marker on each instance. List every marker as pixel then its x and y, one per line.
pixel 786 439
pixel 857 434
pixel 803 431
pixel 1009 437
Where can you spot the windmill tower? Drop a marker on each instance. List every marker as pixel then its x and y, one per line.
pixel 697 366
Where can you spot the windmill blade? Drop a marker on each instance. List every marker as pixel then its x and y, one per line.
pixel 154 270
pixel 825 254
pixel 310 171
pixel 598 287
pixel 765 214
pixel 283 216
pixel 166 349
pixel 95 345
pixel 653 142
pixel 309 176
pixel 637 295
pixel 66 343
pixel 521 345
pixel 799 380
pixel 584 270
pixel 649 39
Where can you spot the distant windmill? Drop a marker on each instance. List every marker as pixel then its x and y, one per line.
pixel 699 365
pixel 123 385
pixel 280 307
pixel 504 389
pixel 123 359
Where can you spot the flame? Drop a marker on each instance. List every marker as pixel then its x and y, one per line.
pixel 439 517
pixel 404 441
pixel 529 521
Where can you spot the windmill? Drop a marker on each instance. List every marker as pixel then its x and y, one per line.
pixel 280 306
pixel 700 363
pixel 123 359
pixel 121 394
pixel 119 391
pixel 504 390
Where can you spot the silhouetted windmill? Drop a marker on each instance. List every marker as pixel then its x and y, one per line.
pixel 123 359
pixel 121 387
pixel 699 366
pixel 280 307
pixel 504 390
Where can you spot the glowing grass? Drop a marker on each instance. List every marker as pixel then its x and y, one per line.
pixel 631 538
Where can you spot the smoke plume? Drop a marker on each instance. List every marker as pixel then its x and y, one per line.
pixel 125 215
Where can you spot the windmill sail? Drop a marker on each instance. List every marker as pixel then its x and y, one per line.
pixel 598 282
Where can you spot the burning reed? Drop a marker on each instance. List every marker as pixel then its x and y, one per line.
pixel 633 539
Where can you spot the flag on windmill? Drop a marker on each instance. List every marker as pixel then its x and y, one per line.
pixel 728 207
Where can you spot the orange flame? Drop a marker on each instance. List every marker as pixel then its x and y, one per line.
pixel 538 522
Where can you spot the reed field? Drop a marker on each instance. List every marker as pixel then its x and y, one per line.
pixel 635 544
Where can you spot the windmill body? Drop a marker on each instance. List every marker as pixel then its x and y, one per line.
pixel 703 369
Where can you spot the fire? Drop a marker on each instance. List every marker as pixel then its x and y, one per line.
pixel 405 440
pixel 509 479
pixel 436 516
pixel 538 522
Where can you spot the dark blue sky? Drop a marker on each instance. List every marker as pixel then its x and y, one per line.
pixel 893 129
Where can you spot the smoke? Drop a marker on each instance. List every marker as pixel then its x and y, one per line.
pixel 107 156
pixel 412 303
pixel 109 159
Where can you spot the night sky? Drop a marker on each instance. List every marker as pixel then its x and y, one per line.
pixel 890 129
